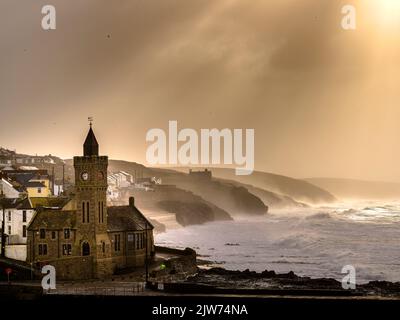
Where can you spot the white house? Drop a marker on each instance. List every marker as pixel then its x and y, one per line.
pixel 120 179
pixel 127 177
pixel 8 189
pixel 18 215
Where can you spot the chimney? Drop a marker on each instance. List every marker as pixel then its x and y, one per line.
pixel 132 202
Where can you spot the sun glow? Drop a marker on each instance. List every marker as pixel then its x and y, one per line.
pixel 387 12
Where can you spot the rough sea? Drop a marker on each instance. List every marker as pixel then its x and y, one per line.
pixel 315 242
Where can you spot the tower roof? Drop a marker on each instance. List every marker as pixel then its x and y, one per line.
pixel 91 146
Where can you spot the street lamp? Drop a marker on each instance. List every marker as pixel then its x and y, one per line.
pixel 146 261
pixel 3 238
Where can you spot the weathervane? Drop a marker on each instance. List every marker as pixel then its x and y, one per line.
pixel 90 119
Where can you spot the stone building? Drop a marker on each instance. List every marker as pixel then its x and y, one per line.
pixel 86 239
pixel 205 175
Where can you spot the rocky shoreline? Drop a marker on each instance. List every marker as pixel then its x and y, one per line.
pixel 189 272
pixel 270 280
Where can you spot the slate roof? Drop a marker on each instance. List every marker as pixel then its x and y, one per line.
pixel 34 184
pixel 91 146
pixel 9 203
pixel 126 218
pixel 120 218
pixel 24 204
pixel 49 202
pixel 53 220
pixel 17 203
pixel 22 178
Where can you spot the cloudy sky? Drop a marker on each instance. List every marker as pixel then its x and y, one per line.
pixel 324 102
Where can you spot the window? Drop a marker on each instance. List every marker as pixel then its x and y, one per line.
pixel 67 233
pixel 42 249
pixel 9 229
pixel 103 247
pixel 42 234
pixel 24 216
pixel 99 211
pixel 117 242
pixel 87 212
pixel 85 249
pixel 53 235
pixel 39 190
pixel 131 243
pixel 9 215
pixel 102 212
pixel 24 231
pixel 137 240
pixel 67 249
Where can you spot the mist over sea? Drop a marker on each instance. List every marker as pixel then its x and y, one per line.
pixel 314 242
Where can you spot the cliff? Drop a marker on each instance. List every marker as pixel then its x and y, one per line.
pixel 168 204
pixel 297 189
pixel 232 198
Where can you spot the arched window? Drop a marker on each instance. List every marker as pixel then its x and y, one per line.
pixel 85 249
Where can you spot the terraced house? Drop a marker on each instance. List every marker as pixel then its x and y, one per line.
pixel 85 239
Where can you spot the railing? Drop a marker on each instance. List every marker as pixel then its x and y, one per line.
pixel 115 290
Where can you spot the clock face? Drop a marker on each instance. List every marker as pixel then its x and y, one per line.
pixel 85 176
pixel 100 175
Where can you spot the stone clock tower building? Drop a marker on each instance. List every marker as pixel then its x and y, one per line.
pixel 82 237
pixel 91 201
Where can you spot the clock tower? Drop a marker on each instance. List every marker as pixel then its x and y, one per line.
pixel 91 201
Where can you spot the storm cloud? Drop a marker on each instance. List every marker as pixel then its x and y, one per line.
pixel 323 101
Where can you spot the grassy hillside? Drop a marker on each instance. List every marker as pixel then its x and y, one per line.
pixel 274 200
pixel 296 189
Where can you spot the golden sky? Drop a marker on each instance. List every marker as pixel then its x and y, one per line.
pixel 324 102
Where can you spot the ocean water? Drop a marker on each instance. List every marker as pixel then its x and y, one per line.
pixel 315 242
